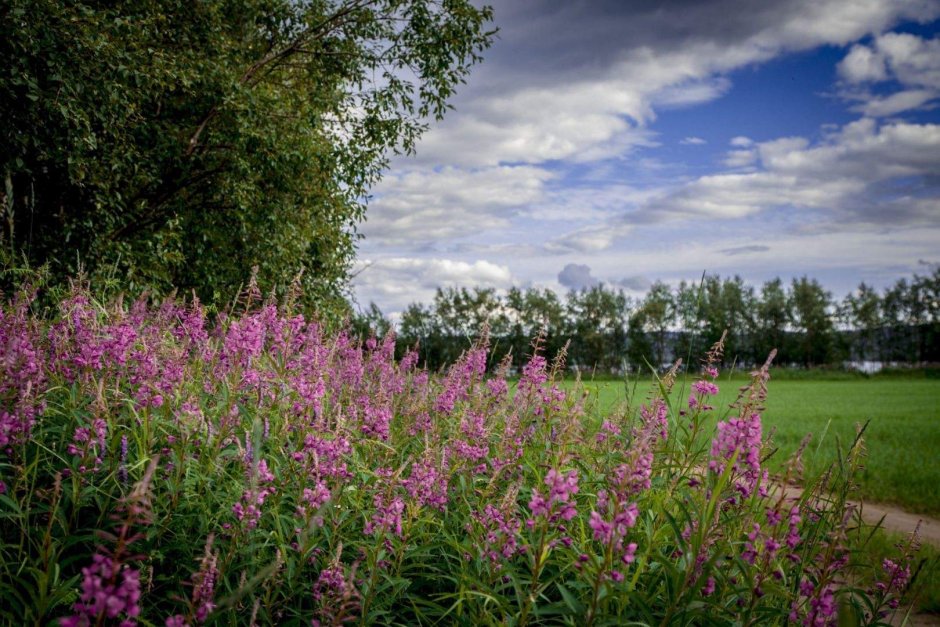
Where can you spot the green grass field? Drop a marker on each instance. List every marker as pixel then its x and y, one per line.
pixel 902 439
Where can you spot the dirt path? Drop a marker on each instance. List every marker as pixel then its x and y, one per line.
pixel 899 521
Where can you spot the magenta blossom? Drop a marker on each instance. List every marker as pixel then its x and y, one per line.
pixel 559 503
pixel 109 589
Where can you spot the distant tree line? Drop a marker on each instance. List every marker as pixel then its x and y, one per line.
pixel 608 331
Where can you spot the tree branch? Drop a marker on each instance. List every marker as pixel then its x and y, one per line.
pixel 273 57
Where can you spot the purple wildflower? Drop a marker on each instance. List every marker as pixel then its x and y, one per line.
pixel 336 597
pixel 110 589
pixel 655 418
pixel 741 436
pixel 613 531
pixel 427 485
pixel 501 533
pixel 793 533
pixel 204 583
pixel 560 501
pixel 705 388
pixel 534 373
pixel 387 517
pixel 709 587
pixel 607 429
pixel 331 581
pixel 248 508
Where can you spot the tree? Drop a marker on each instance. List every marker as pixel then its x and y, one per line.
pixel 659 313
pixel 729 306
pixel 532 311
pixel 772 319
pixel 927 317
pixel 597 327
pixel 689 316
pixel 453 322
pixel 420 326
pixel 911 311
pixel 370 323
pixel 861 310
pixel 464 313
pixel 180 143
pixel 810 316
pixel 639 347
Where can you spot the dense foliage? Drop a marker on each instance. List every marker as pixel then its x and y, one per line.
pixel 174 144
pixel 159 469
pixel 605 330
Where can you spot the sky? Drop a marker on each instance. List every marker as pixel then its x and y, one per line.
pixel 625 142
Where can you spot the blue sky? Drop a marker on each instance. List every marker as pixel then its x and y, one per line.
pixel 630 141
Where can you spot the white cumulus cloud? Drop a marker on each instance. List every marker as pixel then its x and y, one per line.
pixel 395 282
pixel 420 206
pixel 911 61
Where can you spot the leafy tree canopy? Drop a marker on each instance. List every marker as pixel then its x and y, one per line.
pixel 174 143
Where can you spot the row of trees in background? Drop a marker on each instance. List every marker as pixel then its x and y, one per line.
pixel 607 330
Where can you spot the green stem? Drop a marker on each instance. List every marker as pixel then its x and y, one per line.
pixel 536 571
pixel 373 567
pixel 598 582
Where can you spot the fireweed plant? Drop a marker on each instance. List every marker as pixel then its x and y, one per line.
pixel 157 469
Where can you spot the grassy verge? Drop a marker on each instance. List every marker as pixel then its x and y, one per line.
pixel 925 588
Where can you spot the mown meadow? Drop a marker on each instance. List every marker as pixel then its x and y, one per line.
pixel 161 467
pixel 902 437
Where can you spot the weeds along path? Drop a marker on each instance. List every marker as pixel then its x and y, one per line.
pixel 893 519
